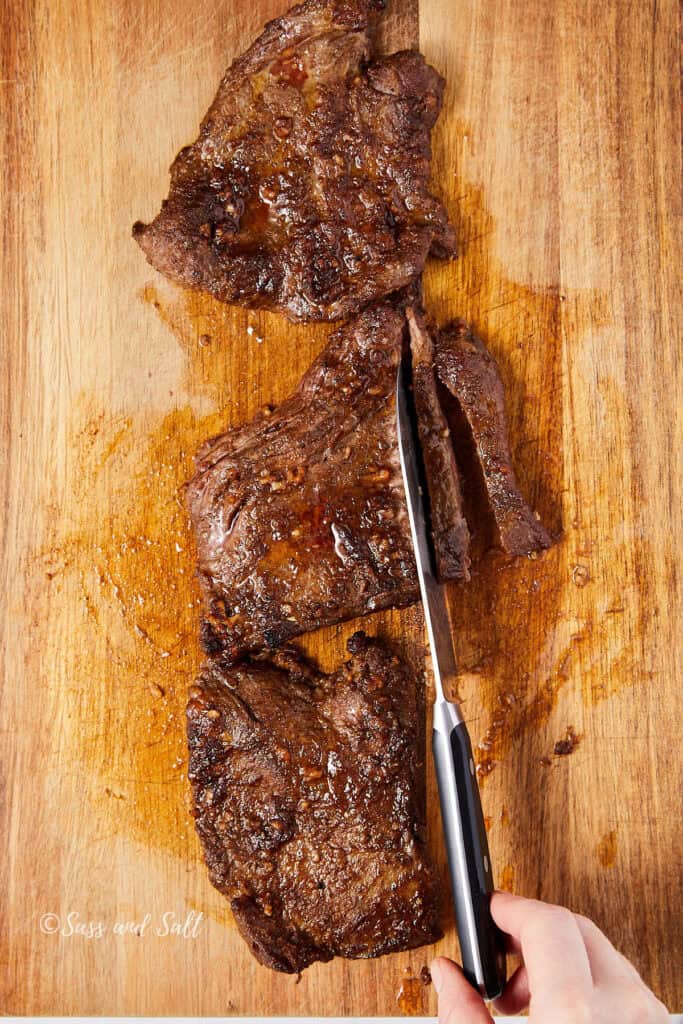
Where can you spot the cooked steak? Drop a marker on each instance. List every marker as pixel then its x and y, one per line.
pixel 307 189
pixel 469 372
pixel 309 803
pixel 300 515
pixel 447 520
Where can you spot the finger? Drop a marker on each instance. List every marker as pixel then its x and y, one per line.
pixel 607 963
pixel 458 1001
pixel 547 935
pixel 516 995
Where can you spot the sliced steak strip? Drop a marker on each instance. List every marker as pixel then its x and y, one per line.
pixel 469 372
pixel 309 803
pixel 447 520
pixel 300 516
pixel 307 189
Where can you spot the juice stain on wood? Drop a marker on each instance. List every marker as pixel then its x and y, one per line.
pixel 238 359
pixel 410 996
pixel 607 849
pixel 125 554
pixel 126 548
pixel 518 644
pixel 507 878
pixel 516 600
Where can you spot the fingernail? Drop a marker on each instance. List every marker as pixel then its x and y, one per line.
pixel 436 972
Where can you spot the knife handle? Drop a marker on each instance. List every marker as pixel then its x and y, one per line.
pixel 481 942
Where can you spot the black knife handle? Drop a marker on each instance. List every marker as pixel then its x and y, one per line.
pixel 481 942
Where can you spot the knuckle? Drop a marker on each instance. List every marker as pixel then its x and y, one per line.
pixel 657 1013
pixel 662 1014
pixel 557 919
pixel 560 915
pixel 641 1006
pixel 587 924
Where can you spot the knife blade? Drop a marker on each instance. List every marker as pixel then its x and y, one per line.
pixel 481 943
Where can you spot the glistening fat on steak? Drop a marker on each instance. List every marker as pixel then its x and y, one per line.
pixel 307 189
pixel 309 803
pixel 469 372
pixel 300 515
pixel 448 525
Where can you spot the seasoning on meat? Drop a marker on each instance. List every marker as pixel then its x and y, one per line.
pixel 300 515
pixel 469 372
pixel 447 521
pixel 309 803
pixel 307 189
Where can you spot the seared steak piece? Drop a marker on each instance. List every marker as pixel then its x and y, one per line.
pixel 309 803
pixel 469 372
pixel 300 515
pixel 447 520
pixel 307 190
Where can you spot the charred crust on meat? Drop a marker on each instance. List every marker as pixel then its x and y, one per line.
pixel 308 796
pixel 209 639
pixel 307 190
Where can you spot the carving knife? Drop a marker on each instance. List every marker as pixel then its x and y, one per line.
pixel 481 943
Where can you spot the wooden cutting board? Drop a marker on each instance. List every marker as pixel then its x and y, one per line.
pixel 558 154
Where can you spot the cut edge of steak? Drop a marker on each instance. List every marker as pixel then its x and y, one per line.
pixel 470 374
pixel 300 514
pixel 447 520
pixel 308 792
pixel 307 190
pixel 272 943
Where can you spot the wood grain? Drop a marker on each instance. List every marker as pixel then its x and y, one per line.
pixel 559 157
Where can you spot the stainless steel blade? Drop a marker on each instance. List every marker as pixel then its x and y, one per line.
pixel 433 597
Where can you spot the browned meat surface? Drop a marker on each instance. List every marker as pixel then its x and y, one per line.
pixel 300 515
pixel 447 520
pixel 469 372
pixel 309 803
pixel 307 189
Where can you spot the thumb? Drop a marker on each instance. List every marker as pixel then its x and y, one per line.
pixel 458 1001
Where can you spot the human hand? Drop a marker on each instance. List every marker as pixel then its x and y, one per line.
pixel 571 974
